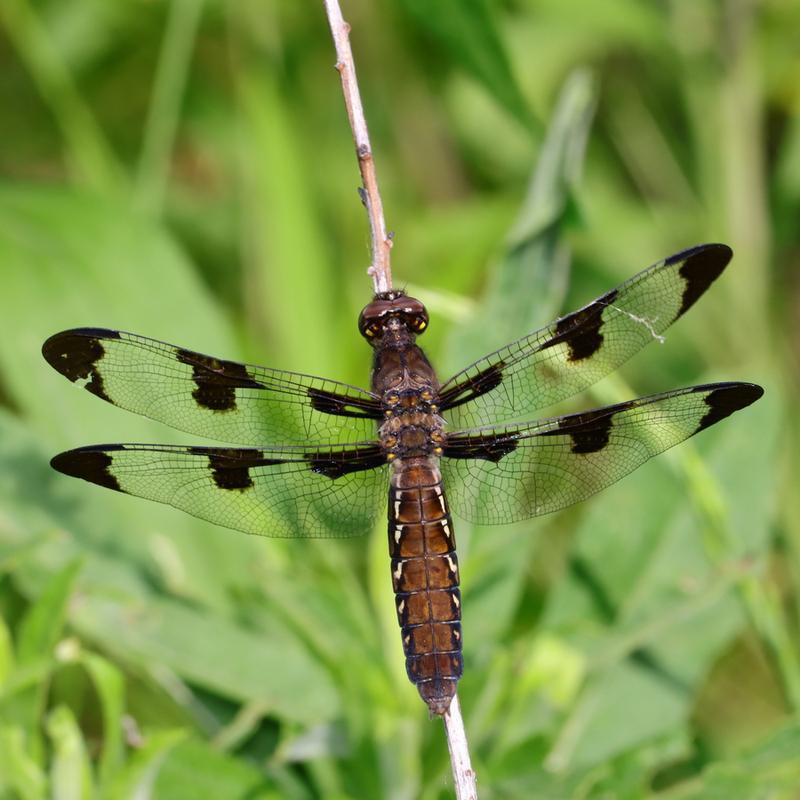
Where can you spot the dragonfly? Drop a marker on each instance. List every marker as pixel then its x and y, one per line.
pixel 321 458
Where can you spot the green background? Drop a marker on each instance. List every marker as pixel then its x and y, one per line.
pixel 184 170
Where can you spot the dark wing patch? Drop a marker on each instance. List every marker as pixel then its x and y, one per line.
pixel 472 387
pixel 216 380
pixel 283 492
pixel 557 462
pixel 343 405
pixel 590 430
pixel 212 397
pixel 581 330
pixel 489 447
pixel 579 349
pixel 230 467
pixel 335 464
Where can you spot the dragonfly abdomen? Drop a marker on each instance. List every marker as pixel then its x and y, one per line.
pixel 425 580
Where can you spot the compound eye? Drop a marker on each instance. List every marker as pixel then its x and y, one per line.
pixel 373 329
pixel 418 323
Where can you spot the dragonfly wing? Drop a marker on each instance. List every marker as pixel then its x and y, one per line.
pixel 212 397
pixel 577 350
pixel 281 492
pixel 504 474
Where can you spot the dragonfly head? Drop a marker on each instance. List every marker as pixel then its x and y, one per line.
pixel 393 313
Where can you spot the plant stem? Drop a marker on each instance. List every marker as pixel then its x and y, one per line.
pixel 380 242
pixel 463 774
pixel 380 271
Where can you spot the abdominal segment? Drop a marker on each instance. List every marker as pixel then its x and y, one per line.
pixel 425 580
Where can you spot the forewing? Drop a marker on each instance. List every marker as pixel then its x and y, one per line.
pixel 577 350
pixel 208 396
pixel 504 474
pixel 280 492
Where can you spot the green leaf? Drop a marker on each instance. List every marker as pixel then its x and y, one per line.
pixel 6 653
pixel 619 709
pixel 22 680
pixel 528 283
pixel 194 771
pixel 109 683
pixel 213 652
pixel 290 258
pixel 42 626
pixel 39 632
pixel 18 771
pixel 88 151
pixel 165 104
pixel 467 30
pixel 137 779
pixel 768 770
pixel 70 770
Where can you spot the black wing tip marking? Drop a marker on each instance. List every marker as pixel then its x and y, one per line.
pixel 55 341
pixel 63 349
pixel 76 353
pixel 89 464
pixel 701 266
pixel 725 398
pixel 714 249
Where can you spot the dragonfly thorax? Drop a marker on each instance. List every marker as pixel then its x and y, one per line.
pixel 411 434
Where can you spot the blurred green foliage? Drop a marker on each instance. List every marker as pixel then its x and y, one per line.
pixel 184 170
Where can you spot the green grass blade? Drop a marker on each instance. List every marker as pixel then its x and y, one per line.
pixel 88 153
pixel 42 626
pixel 70 770
pixel 18 771
pixel 528 283
pixel 137 779
pixel 109 683
pixel 468 31
pixel 164 112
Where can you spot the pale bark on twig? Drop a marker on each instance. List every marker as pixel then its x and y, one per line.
pixel 463 774
pixel 380 271
pixel 380 242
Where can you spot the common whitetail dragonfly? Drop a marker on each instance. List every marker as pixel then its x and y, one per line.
pixel 336 449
